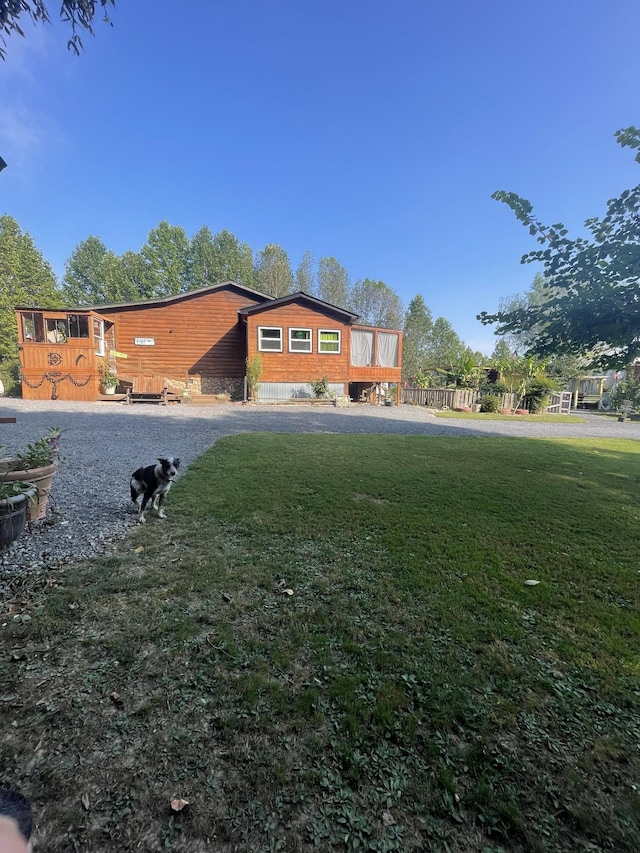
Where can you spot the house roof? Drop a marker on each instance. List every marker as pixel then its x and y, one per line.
pixel 188 294
pixel 300 296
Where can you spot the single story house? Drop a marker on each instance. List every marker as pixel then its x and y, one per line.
pixel 200 342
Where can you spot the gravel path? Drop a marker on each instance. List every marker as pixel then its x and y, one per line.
pixel 103 443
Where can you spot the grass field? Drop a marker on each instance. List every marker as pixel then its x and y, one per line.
pixel 330 645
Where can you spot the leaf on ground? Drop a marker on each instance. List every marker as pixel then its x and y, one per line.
pixel 85 801
pixel 138 549
pixel 178 804
pixel 531 583
pixel 388 819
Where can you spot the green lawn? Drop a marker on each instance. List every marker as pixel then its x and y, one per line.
pixel 330 645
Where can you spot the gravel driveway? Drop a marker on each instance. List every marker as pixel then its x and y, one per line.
pixel 104 442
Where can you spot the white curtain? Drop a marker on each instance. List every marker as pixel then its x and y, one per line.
pixel 361 348
pixel 387 355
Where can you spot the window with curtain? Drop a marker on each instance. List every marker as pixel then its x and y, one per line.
pixel 387 355
pixel 361 348
pixel 328 341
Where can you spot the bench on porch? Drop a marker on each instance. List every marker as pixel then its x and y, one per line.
pixel 151 389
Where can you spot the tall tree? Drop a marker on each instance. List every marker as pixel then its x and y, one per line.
pixel 593 284
pixel 80 14
pixel 273 271
pixel 166 253
pixel 232 260
pixel 26 280
pixel 84 281
pixel 501 352
pixel 418 324
pixel 376 304
pixel 333 282
pixel 445 347
pixel 305 278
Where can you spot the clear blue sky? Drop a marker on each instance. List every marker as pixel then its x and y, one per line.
pixel 370 130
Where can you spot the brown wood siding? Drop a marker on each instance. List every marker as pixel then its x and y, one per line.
pixel 288 366
pixel 193 336
pixel 65 371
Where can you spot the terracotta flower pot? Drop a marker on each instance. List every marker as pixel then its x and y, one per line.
pixel 522 411
pixel 41 477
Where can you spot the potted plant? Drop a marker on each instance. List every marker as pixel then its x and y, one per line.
pixel 14 503
pixel 254 371
pixel 38 465
pixel 108 379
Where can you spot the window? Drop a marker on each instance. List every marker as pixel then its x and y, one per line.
pixel 269 339
pixel 78 325
pixel 361 348
pixel 299 340
pixel 98 336
pixel 57 330
pixel 387 352
pixel 328 341
pixel 33 327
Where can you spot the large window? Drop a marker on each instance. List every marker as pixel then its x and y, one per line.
pixel 57 330
pixel 33 327
pixel 300 340
pixel 361 348
pixel 78 325
pixel 387 353
pixel 269 339
pixel 328 341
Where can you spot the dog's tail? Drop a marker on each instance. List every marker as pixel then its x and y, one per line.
pixel 136 480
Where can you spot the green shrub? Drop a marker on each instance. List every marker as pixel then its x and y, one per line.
pixel 494 388
pixel 490 403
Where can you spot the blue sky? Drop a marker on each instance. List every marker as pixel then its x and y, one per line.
pixel 369 130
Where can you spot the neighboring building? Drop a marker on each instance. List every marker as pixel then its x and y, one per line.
pixel 200 342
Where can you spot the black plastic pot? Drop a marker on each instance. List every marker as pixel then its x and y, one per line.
pixel 13 517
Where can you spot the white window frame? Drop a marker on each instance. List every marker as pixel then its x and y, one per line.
pixel 322 351
pixel 262 348
pixel 99 338
pixel 308 340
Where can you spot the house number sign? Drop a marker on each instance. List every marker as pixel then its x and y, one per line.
pixel 144 342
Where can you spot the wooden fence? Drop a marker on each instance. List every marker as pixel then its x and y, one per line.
pixel 459 398
pixel 450 398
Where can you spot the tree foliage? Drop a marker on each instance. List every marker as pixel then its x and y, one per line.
pixel 79 14
pixel 333 282
pixel 376 304
pixel 166 254
pixel 418 324
pixel 305 277
pixel 26 279
pixel 592 284
pixel 272 271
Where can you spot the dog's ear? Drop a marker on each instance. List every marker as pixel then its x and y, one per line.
pixel 176 462
pixel 162 460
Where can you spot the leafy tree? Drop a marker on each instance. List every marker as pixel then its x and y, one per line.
pixel 418 324
pixel 166 254
pixel 592 304
pixel 89 271
pixel 79 14
pixel 445 347
pixel 26 280
pixel 501 352
pixel 137 280
pixel 220 258
pixel 305 278
pixel 376 304
pixel 273 271
pixel 333 282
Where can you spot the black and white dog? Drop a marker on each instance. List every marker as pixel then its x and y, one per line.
pixel 153 483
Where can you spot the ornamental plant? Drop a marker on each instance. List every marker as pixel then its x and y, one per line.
pixel 41 453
